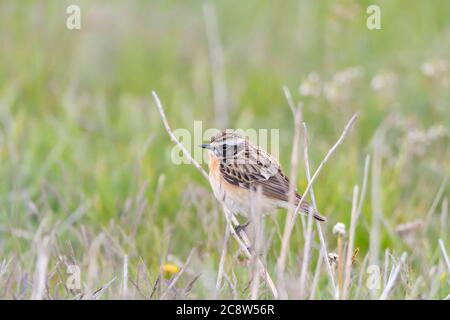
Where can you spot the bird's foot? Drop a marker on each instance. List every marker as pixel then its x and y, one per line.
pixel 241 228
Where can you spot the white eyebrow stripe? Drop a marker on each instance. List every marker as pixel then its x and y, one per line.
pixel 233 142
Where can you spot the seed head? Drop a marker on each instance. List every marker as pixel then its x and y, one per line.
pixel 339 229
pixel 333 258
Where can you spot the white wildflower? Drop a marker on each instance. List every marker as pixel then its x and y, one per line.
pixel 339 88
pixel 311 86
pixel 436 132
pixel 339 229
pixel 347 75
pixel 384 81
pixel 435 68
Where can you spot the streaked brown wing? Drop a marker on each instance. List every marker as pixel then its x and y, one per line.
pixel 262 171
pixel 277 186
pixel 252 168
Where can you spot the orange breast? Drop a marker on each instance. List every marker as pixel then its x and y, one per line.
pixel 214 170
pixel 214 166
pixel 235 198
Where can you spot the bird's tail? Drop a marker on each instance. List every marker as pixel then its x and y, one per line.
pixel 306 208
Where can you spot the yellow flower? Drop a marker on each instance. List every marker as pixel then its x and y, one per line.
pixel 169 269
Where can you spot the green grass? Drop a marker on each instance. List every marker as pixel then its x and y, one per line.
pixel 82 147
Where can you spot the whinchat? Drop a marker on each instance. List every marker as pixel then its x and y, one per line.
pixel 237 168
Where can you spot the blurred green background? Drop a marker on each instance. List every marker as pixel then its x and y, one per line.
pixel 82 147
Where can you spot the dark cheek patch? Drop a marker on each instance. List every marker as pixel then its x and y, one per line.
pixel 229 151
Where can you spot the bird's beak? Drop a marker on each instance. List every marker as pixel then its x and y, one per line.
pixel 205 146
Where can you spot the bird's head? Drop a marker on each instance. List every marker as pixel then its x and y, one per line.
pixel 226 144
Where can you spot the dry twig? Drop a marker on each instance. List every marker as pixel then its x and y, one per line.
pixel 393 277
pixel 231 220
pixel 290 224
pixel 351 239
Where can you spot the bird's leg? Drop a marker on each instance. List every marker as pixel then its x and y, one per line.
pixel 241 228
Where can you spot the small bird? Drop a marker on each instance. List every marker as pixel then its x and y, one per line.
pixel 238 168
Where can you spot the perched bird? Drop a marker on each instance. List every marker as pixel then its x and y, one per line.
pixel 237 168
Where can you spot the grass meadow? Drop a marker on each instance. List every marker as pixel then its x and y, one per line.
pixel 88 187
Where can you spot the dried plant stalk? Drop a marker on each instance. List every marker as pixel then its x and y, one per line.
pixel 231 220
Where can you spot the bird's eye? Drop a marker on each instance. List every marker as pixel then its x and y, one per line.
pixel 224 150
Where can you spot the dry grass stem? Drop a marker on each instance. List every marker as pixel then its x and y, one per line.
pixel 445 255
pixel 174 139
pixel 290 223
pixel 222 259
pixel 291 197
pixel 308 241
pixel 100 291
pixel 393 277
pixel 386 267
pixel 258 241
pixel 178 275
pixel 444 219
pixel 351 239
pixel 377 213
pixel 231 220
pixel 327 157
pixel 217 66
pixel 340 264
pixel 316 278
pixel 323 244
pixel 125 277
pixel 435 202
pixel 40 274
